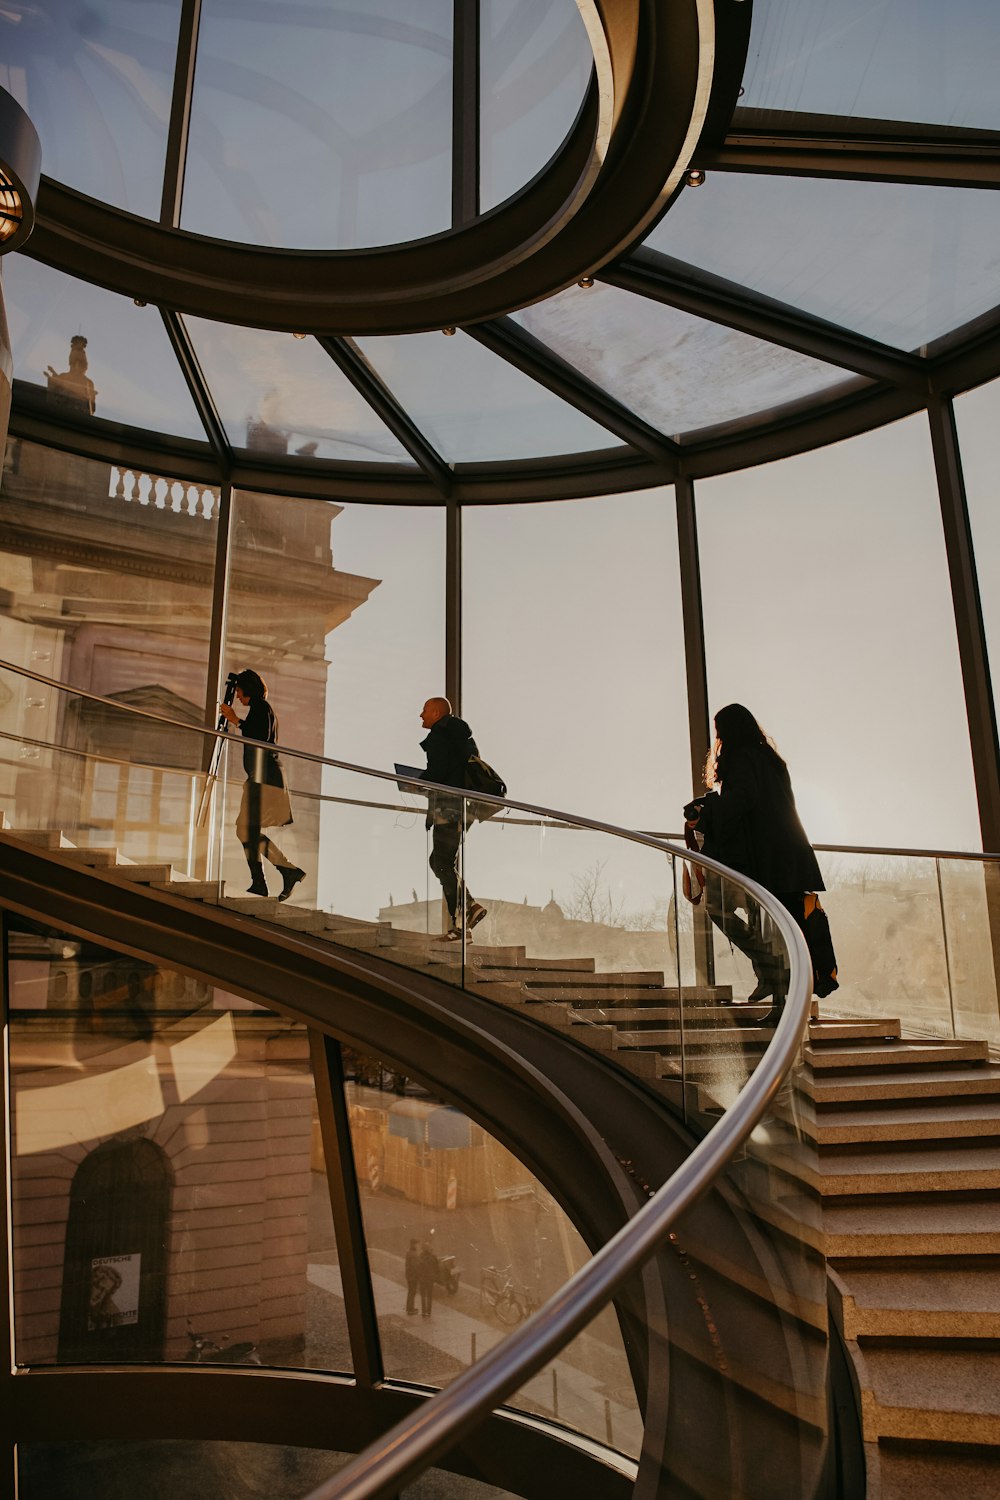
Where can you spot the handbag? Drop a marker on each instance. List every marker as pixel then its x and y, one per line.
pixel 693 888
pixel 816 929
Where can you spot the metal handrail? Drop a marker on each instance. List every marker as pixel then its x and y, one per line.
pixel 421 786
pixel 435 1428
pixel 398 1457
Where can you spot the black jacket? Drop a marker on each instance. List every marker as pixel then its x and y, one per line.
pixel 261 724
pixel 448 745
pixel 752 825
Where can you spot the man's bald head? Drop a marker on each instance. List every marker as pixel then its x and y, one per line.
pixel 433 710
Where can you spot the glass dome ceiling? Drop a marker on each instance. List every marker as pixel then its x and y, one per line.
pixel 843 250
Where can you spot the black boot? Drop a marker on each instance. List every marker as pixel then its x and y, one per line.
pixel 258 885
pixel 290 877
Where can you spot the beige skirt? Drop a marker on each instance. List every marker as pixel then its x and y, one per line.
pixel 262 806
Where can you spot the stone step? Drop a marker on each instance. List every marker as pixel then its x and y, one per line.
pixel 906 1472
pixel 144 874
pixel 945 1226
pixel 927 1083
pixel 854 1057
pixel 826 1031
pixel 919 1395
pixel 43 838
pixel 956 1120
pixel 614 979
pixel 922 1301
pixel 975 1167
pixel 704 1016
pixel 100 858
pixel 191 890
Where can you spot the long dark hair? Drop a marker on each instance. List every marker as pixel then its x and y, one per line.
pixel 736 732
pixel 250 682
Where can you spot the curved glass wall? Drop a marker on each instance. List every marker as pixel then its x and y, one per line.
pixel 573 655
pixel 828 612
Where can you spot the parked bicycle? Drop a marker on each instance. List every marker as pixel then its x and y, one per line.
pixel 205 1351
pixel 499 1294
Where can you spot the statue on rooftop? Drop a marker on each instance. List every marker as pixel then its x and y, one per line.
pixel 73 389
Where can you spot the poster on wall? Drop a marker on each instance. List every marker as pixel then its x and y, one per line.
pixel 114 1291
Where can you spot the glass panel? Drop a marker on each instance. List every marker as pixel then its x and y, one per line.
pixel 96 80
pixel 609 965
pixel 355 599
pixel 80 351
pixel 569 602
pixel 536 65
pixel 828 612
pixel 914 941
pixel 900 263
pixel 977 415
pixel 893 60
pixel 328 127
pixel 474 406
pixel 678 372
pixel 280 395
pixel 185 1215
pixel 464 1244
pixel 165 1466
pixel 87 596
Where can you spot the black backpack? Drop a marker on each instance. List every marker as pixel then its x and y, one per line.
pixel 480 777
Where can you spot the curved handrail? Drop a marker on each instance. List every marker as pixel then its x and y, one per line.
pixel 414 1444
pixel 427 1434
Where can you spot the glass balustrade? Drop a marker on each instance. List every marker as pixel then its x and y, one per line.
pixel 586 931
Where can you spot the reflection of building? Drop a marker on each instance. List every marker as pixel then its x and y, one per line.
pixel 109 585
pixel 172 1134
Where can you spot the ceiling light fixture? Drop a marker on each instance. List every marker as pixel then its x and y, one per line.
pixel 448 332
pixel 695 178
pixel 586 281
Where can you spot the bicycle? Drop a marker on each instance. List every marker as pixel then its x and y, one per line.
pixel 498 1293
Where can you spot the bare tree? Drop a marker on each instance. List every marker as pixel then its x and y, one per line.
pixel 590 902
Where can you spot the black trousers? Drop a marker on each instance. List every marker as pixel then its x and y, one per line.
pixel 751 933
pixel 446 843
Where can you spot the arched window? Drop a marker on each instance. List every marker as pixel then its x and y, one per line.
pixel 114 1280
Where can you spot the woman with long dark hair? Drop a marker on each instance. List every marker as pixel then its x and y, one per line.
pixel 748 821
pixel 265 801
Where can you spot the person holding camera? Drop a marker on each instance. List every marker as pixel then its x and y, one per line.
pixel 748 821
pixel 265 801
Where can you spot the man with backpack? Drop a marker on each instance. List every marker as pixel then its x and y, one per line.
pixel 449 747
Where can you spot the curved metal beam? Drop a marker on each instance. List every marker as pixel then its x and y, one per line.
pixel 614 175
pixel 805 145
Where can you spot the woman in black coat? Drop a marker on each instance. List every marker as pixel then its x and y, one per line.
pixel 751 825
pixel 265 801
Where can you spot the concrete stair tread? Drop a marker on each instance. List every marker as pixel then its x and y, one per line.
pixel 922 1301
pixel 905 1474
pixel 933 1226
pixel 191 890
pixel 925 1169
pixel 932 1382
pixel 836 1031
pixel 43 838
pixel 958 1118
pixel 928 1083
pixel 903 1053
pixel 144 874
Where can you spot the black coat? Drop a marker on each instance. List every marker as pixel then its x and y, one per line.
pixel 260 724
pixel 752 825
pixel 449 746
